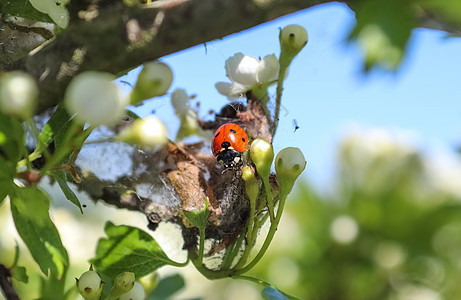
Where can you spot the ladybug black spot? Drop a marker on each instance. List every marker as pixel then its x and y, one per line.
pixel 233 131
pixel 225 145
pixel 217 134
pixel 243 140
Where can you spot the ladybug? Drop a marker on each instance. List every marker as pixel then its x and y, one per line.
pixel 229 141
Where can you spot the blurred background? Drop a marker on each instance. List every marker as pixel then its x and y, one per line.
pixel 377 212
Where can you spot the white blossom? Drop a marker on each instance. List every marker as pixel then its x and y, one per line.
pixel 247 72
pixel 95 99
pixel 18 94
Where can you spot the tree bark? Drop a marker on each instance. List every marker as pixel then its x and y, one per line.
pixel 108 35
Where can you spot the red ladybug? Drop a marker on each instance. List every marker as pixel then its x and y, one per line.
pixel 229 141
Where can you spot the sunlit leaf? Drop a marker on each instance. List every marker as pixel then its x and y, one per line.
pixel 130 249
pixel 382 31
pixel 29 207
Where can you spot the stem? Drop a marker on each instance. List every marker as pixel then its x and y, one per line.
pixel 270 200
pixel 269 237
pixel 201 245
pixel 5 284
pixel 278 99
pixel 252 279
pixel 232 252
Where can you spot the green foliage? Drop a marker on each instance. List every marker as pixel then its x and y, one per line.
pixel 449 10
pixel 20 274
pixel 29 207
pixel 70 195
pixel 130 249
pixel 167 287
pixel 401 235
pixel 383 29
pixel 11 146
pixel 23 9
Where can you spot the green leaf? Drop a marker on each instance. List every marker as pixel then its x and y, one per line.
pixel 128 249
pixel 20 274
pixel 23 9
pixel 56 125
pixel 382 31
pixel 68 192
pixel 52 288
pixel 167 287
pixel 448 11
pixel 12 140
pixel 199 217
pixel 29 207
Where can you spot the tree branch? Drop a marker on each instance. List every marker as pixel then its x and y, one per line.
pixel 110 36
pixel 5 284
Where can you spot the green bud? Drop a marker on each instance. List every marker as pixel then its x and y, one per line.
pixel 90 285
pixel 154 80
pixel 123 283
pixel 148 132
pixel 136 293
pixel 18 94
pixel 293 38
pixel 289 164
pixel 262 154
pixel 251 183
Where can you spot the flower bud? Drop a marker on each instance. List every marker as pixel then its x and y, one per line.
pixel 293 38
pixel 18 94
pixel 154 80
pixel 95 99
pixel 148 132
pixel 123 283
pixel 136 293
pixel 262 154
pixel 251 183
pixel 90 285
pixel 180 102
pixel 289 164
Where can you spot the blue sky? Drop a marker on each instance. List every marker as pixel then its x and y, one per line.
pixel 326 91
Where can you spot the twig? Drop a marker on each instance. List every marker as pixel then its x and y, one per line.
pixel 6 285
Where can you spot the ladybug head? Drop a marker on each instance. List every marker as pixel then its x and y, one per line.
pixel 229 159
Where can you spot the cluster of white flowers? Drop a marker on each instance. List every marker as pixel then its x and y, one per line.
pixel 56 10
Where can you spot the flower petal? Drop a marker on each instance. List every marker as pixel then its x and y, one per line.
pixel 231 90
pixel 268 69
pixel 232 64
pixel 242 69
